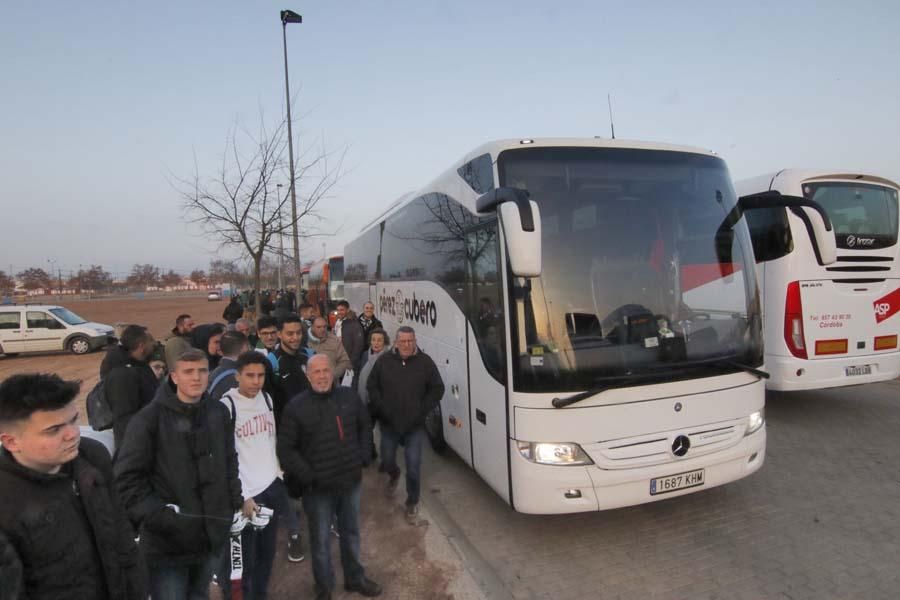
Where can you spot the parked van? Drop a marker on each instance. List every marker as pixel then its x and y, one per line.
pixel 46 327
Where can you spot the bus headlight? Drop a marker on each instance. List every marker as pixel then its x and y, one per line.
pixel 755 421
pixel 549 453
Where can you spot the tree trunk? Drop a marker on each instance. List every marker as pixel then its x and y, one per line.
pixel 257 264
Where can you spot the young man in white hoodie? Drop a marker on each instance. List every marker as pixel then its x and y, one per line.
pixel 253 418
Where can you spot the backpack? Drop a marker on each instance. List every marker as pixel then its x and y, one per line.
pixel 100 414
pixel 233 410
pixel 218 379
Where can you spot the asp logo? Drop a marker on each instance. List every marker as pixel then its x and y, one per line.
pixel 416 310
pixel 887 306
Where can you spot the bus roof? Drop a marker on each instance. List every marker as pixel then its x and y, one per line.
pixel 792 177
pixel 495 147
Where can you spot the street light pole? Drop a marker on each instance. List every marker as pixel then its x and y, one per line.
pixel 288 16
pixel 280 242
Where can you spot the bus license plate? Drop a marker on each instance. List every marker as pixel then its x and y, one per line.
pixel 673 483
pixel 858 370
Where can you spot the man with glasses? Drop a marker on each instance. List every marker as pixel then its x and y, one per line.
pixel 177 475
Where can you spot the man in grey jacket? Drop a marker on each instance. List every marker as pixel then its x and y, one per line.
pixel 321 341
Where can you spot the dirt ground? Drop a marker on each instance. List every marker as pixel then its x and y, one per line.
pixel 393 551
pixel 158 314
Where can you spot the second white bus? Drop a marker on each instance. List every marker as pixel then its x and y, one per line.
pixel 828 325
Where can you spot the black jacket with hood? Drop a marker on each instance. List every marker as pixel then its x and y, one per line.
pixel 200 339
pixel 65 535
pixel 402 392
pixel 233 311
pixel 181 454
pixel 324 441
pixel 129 386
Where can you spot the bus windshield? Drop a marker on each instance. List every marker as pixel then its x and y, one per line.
pixel 864 216
pixel 336 269
pixel 638 278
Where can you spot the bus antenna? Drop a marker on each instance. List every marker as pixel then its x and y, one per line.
pixel 612 127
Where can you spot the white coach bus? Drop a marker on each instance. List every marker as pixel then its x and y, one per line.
pixel 834 325
pixel 592 307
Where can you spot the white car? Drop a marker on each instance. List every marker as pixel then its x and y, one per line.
pixel 47 327
pixel 214 295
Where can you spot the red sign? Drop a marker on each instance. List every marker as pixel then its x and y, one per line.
pixel 886 307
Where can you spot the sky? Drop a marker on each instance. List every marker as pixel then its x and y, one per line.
pixel 106 105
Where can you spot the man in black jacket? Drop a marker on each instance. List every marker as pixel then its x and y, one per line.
pixel 177 475
pixel 129 382
pixel 233 311
pixel 63 533
pixel 222 378
pixel 369 321
pixel 404 387
pixel 350 331
pixel 291 357
pixel 324 441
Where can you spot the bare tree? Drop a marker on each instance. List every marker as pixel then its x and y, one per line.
pixel 35 278
pixel 7 285
pixel 198 276
pixel 143 276
pixel 170 279
pixel 240 206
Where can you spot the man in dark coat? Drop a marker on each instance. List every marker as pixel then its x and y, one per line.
pixel 222 378
pixel 207 337
pixel 233 311
pixel 324 441
pixel 177 475
pixel 350 331
pixel 404 387
pixel 130 383
pixel 63 533
pixel 369 321
pixel 291 357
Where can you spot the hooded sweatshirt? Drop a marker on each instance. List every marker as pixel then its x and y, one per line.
pixel 200 340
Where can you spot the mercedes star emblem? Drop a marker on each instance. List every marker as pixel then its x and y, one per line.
pixel 681 445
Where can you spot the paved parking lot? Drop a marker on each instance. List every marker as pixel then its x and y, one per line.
pixel 821 519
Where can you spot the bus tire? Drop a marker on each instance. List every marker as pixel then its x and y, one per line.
pixel 435 429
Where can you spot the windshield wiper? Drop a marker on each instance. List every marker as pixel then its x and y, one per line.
pixel 629 380
pixel 615 382
pixel 730 363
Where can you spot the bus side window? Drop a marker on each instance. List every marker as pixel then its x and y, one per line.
pixel 770 233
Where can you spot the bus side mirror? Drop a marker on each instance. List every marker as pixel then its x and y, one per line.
pixel 521 222
pixel 824 243
pixel 818 225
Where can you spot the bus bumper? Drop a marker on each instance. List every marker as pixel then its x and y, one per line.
pixel 791 374
pixel 544 489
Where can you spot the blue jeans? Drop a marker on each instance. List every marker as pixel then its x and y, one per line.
pixel 258 548
pixel 412 451
pixel 182 582
pixel 320 508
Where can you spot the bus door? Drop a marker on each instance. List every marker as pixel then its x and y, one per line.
pixel 487 357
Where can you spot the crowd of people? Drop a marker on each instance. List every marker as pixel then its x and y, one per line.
pixel 222 432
